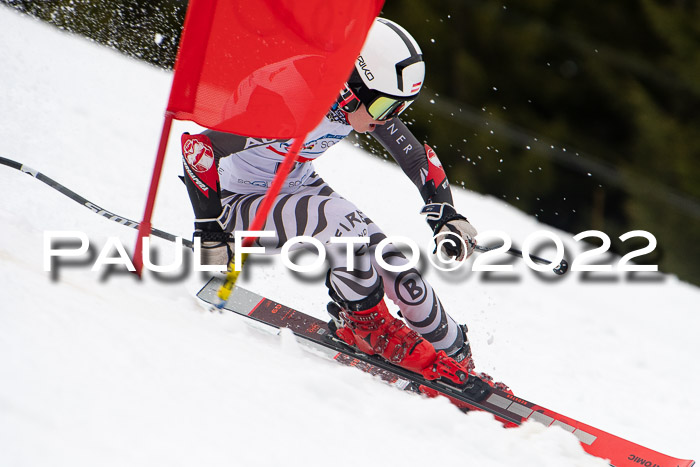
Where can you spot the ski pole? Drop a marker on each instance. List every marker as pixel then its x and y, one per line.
pixel 561 269
pixel 88 204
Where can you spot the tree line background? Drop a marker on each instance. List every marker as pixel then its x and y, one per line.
pixel 583 114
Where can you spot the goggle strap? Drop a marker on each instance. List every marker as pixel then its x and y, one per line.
pixel 349 101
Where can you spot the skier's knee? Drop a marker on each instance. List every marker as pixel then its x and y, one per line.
pixel 365 302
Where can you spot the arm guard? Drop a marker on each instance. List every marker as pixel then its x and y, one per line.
pixel 201 155
pixel 419 162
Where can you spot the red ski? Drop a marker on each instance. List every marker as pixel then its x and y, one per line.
pixel 475 395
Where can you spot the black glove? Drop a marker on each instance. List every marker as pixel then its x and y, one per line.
pixel 452 231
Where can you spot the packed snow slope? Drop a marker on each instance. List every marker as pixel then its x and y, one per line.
pixel 98 368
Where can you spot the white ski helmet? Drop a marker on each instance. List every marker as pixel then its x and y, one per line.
pixel 388 74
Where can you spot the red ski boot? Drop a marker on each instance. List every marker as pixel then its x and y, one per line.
pixel 375 331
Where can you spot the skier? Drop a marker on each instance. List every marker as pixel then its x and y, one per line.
pixel 387 78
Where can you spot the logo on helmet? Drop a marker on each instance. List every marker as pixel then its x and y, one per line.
pixel 363 65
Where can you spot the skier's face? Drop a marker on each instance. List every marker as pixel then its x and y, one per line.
pixel 361 121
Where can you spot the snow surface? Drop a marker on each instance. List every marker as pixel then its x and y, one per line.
pixel 97 368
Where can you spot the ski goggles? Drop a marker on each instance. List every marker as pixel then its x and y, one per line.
pixel 379 106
